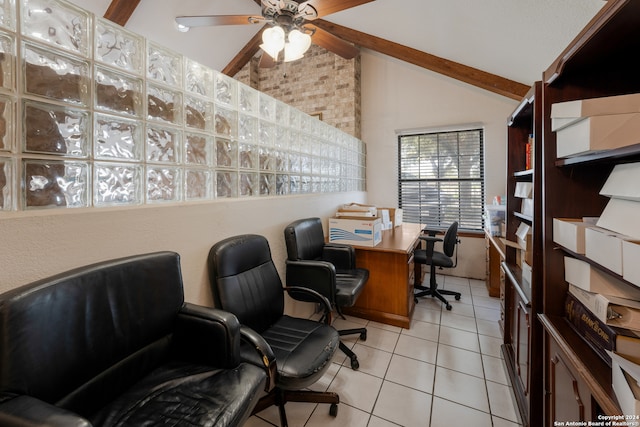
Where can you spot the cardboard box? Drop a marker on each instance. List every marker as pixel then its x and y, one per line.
pixel 584 276
pixel 622 182
pixel 621 216
pixel 569 233
pixel 598 133
pixel 358 232
pixel 568 112
pixel 604 247
pixel 523 190
pixel 527 207
pixel 630 264
pixel 624 377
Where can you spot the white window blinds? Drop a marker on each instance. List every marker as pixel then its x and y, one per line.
pixel 441 178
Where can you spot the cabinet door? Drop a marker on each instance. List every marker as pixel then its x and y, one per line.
pixel 522 342
pixel 569 397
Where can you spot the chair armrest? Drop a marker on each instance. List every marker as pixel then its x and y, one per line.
pixel 207 335
pixel 27 411
pixel 296 292
pixel 264 351
pixel 319 276
pixel 343 257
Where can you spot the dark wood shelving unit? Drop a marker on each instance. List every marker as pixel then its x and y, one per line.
pixel 598 62
pixel 522 334
pixel 556 375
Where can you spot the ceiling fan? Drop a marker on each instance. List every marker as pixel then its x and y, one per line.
pixel 287 27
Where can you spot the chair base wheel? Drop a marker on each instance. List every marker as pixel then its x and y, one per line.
pixel 457 297
pixel 333 410
pixel 355 365
pixel 448 307
pixel 363 336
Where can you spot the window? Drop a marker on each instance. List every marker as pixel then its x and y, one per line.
pixel 441 178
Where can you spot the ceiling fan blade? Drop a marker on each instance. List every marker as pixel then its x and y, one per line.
pixel 334 44
pixel 208 20
pixel 266 61
pixel 327 7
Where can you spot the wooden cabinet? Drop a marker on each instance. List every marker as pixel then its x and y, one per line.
pixel 494 258
pixel 598 62
pixel 523 293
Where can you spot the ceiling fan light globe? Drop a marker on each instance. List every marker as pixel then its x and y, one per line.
pixel 292 53
pixel 273 41
pixel 300 40
pixel 269 51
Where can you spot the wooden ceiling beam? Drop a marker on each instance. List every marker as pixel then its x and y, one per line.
pixel 472 76
pixel 119 11
pixel 244 56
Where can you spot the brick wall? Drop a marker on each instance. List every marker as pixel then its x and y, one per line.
pixel 321 82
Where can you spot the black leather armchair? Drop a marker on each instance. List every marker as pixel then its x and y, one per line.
pixel 433 258
pixel 244 281
pixel 328 268
pixel 114 344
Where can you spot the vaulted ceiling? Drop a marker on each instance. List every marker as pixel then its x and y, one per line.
pixel 484 39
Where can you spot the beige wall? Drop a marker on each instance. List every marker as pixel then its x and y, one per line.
pixel 396 96
pixel 41 243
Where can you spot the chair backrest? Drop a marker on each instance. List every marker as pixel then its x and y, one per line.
pixel 81 337
pixel 245 282
pixel 450 239
pixel 304 239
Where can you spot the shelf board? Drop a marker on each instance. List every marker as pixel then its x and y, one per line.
pixel 602 156
pixel 523 173
pixel 523 217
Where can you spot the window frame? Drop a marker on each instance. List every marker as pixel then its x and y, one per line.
pixel 470 215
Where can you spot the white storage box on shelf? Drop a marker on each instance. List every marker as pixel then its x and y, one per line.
pixel 581 274
pixel 625 376
pixel 621 216
pixel 570 232
pixel 358 232
pixel 630 258
pixel 595 124
pixel 622 182
pixel 598 133
pixel 568 112
pixel 605 247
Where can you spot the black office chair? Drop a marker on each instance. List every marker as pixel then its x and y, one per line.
pixel 433 258
pixel 245 282
pixel 328 268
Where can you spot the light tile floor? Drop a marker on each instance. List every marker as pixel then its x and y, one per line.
pixel 446 369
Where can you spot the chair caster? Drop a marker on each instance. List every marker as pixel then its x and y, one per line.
pixel 449 307
pixel 458 297
pixel 355 365
pixel 363 336
pixel 333 410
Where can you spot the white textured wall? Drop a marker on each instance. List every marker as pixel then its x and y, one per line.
pixel 397 95
pixel 37 244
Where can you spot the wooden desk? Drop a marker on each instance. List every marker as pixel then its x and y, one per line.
pixel 388 294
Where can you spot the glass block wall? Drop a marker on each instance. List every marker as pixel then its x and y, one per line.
pixel 93 115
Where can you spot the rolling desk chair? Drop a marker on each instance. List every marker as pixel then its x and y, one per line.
pixel 328 268
pixel 245 282
pixel 435 259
